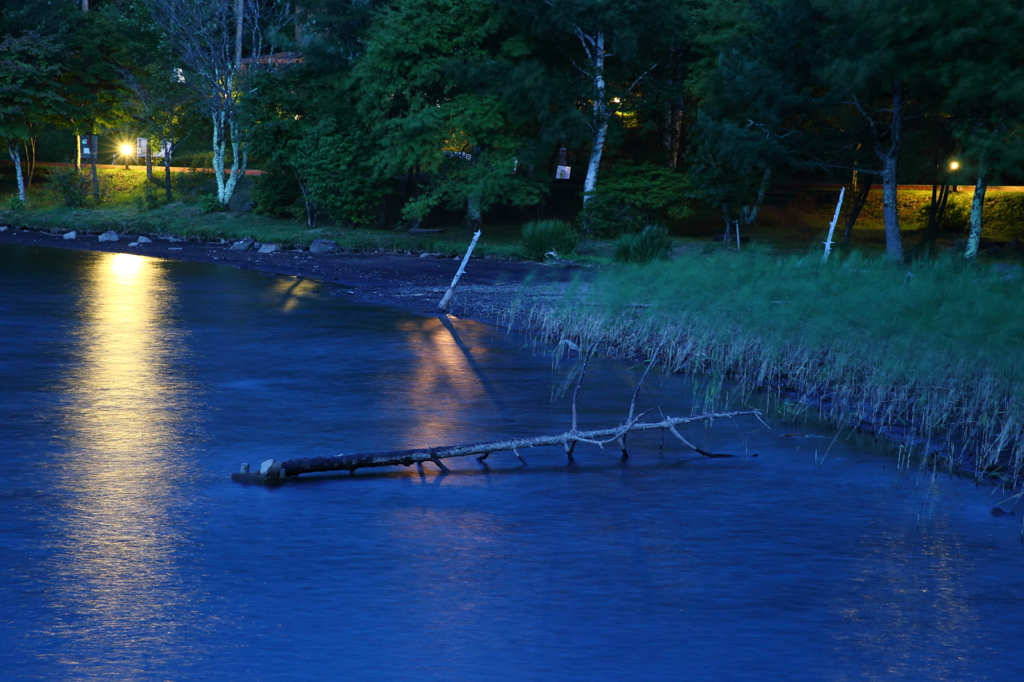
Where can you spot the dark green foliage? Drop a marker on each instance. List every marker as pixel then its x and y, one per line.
pixel 192 181
pixel 630 197
pixel 15 204
pixel 542 237
pixel 651 243
pixel 71 185
pixel 208 203
pixel 956 217
pixel 277 194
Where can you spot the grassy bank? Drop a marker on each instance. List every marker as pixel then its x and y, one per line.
pixel 928 353
pixel 131 204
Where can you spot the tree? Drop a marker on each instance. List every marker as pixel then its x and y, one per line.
pixel 612 46
pixel 28 91
pixel 207 38
pixel 983 82
pixel 422 79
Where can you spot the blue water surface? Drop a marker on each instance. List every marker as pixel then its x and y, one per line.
pixel 132 387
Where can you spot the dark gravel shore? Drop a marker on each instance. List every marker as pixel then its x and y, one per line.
pixel 410 281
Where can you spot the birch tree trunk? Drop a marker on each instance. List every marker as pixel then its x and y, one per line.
pixel 593 45
pixel 225 127
pixel 977 207
pixel 12 149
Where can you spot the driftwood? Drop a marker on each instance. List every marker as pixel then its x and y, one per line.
pixel 272 471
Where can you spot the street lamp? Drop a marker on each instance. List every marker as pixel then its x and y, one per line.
pixel 953 166
pixel 126 151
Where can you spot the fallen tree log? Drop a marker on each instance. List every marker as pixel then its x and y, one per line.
pixel 272 469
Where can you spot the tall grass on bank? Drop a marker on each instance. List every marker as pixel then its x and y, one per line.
pixel 931 352
pixel 542 238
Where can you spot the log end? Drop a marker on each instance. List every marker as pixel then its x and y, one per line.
pixel 240 477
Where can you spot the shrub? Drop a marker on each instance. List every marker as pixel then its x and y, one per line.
pixel 15 204
pixel 630 197
pixel 542 237
pixel 277 194
pixel 70 184
pixel 649 244
pixel 208 203
pixel 956 218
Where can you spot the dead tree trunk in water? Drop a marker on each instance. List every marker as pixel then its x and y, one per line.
pixel 272 470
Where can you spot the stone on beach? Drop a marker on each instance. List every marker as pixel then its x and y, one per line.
pixel 322 246
pixel 71 235
pixel 269 248
pixel 144 240
pixel 109 236
pixel 242 245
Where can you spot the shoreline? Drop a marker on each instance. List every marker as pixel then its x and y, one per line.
pixel 412 282
pixel 518 295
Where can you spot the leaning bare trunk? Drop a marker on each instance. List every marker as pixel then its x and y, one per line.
pixel 149 160
pixel 858 204
pixel 977 206
pixel 12 149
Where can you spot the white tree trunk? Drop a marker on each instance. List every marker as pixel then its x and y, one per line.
pixel 12 149
pixel 977 207
pixel 595 53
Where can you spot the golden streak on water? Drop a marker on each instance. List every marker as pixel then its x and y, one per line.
pixel 293 291
pixel 444 385
pixel 123 420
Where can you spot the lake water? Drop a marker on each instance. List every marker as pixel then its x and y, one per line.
pixel 133 387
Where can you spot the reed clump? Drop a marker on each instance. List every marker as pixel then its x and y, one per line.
pixel 928 353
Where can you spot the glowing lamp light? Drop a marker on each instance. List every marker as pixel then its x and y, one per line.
pixel 127 150
pixel 953 165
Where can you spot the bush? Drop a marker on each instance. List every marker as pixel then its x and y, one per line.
pixel 277 194
pixel 956 218
pixel 542 237
pixel 15 204
pixel 70 184
pixel 651 243
pixel 630 197
pixel 208 203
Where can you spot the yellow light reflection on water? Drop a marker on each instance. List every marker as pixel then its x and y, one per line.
pixel 123 423
pixel 445 387
pixel 292 292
